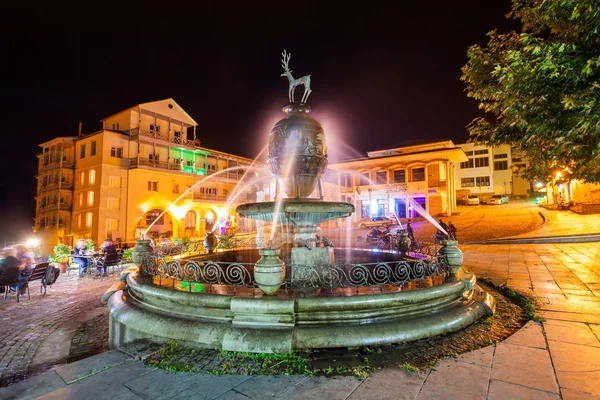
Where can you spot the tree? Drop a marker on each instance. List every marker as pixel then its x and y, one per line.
pixel 540 89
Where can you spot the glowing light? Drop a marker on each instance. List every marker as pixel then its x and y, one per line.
pixel 558 175
pixel 179 211
pixel 539 184
pixel 33 242
pixel 373 206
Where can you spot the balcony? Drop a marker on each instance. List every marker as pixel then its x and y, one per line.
pixel 159 137
pixel 177 167
pixel 57 164
pixel 55 207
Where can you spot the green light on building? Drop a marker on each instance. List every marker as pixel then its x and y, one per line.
pixel 200 171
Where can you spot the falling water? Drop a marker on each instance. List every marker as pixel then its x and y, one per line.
pixel 234 195
pixel 426 215
pixel 190 188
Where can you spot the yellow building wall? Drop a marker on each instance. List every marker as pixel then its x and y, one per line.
pixel 122 118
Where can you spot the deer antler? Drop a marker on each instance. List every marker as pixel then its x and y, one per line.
pixel 286 60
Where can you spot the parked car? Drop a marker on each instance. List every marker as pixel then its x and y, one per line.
pixel 498 199
pixel 470 200
pixel 376 222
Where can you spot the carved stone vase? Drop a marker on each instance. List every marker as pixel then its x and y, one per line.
pixel 269 271
pixel 403 243
pixel 452 254
pixel 142 247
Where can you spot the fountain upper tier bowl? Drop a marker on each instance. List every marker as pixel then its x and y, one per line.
pixel 299 212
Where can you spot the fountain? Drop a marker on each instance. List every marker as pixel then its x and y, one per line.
pixel 294 290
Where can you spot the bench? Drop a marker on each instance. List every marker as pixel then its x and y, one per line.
pixel 11 278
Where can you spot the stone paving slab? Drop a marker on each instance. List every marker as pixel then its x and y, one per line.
pixel 160 384
pixel 570 332
pixel 454 379
pixel 500 390
pixel 577 366
pixel 390 383
pixel 513 364
pixel 90 366
pixel 568 394
pixel 530 335
pixel 264 387
pixel 481 357
pixel 101 384
pixel 31 388
pixel 320 387
pixel 575 317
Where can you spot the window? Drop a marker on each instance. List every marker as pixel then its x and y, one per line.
pixel 177 160
pixel 78 218
pixel 92 177
pixel 80 199
pixel 500 165
pixel 115 127
pixel 111 225
pixel 399 176
pixel 177 135
pixel 93 148
pixel 480 151
pixel 481 162
pixel 418 174
pixel 381 177
pixel 469 153
pixel 346 180
pixel 153 157
pixel 467 164
pixel 482 181
pixel 189 163
pixel 500 156
pixel 154 128
pixel 365 179
pixel 153 186
pixel 467 182
pixel 116 152
pixel 90 198
pixel 82 151
pixel 113 202
pixel 114 181
pixel 519 165
pixel 88 220
pixel 517 159
pixel 176 188
pixel 82 178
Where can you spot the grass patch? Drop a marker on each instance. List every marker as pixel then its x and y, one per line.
pixel 528 307
pixel 409 368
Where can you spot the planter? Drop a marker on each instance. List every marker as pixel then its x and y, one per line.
pixel 403 243
pixel 62 266
pixel 269 271
pixel 452 255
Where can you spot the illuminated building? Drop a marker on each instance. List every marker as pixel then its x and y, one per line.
pixel 117 181
pixel 393 181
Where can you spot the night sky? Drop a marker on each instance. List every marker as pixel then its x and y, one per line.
pixel 380 76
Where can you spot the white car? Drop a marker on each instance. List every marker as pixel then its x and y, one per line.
pixel 498 199
pixel 470 200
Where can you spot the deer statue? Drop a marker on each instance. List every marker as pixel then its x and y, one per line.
pixel 305 80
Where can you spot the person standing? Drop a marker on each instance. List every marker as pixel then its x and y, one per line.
pixel 451 231
pixel 409 231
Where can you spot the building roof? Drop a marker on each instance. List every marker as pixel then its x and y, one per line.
pixel 164 107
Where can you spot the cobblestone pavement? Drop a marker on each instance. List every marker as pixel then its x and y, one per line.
pixel 37 332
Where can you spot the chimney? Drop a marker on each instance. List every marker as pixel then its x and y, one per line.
pixel 80 132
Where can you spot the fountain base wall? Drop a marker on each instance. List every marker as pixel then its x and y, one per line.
pixel 270 324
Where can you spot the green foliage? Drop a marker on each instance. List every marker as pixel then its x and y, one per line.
pixel 184 242
pixel 540 89
pixel 407 367
pixel 225 242
pixel 90 245
pixel 127 254
pixel 62 252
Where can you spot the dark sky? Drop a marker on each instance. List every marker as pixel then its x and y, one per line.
pixel 380 76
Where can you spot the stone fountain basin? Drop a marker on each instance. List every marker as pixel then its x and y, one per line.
pixel 296 211
pixel 140 309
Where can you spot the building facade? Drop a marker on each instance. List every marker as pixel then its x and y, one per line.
pixel 402 180
pixel 143 171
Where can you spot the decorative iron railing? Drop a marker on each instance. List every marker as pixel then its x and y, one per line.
pixel 302 276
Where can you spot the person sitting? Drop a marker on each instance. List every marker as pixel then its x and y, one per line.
pixel 110 255
pixel 27 265
pixel 79 250
pixel 9 265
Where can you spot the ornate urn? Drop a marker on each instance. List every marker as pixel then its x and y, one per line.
pixel 269 271
pixel 297 151
pixel 403 243
pixel 452 254
pixel 142 247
